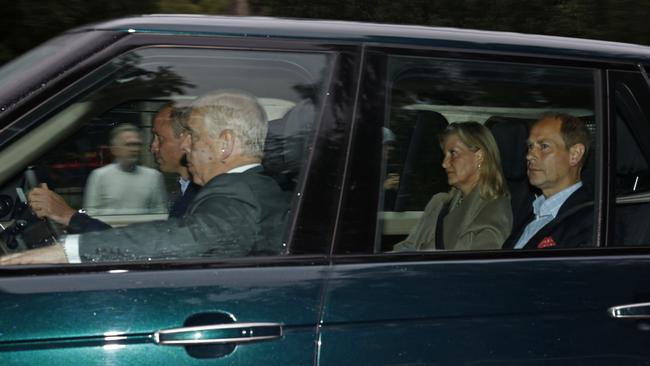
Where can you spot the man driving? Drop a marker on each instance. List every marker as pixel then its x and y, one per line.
pixel 166 148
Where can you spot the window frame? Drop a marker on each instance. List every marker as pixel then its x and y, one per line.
pixel 316 197
pixel 640 111
pixel 603 156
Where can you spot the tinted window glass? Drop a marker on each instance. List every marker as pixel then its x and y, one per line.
pixel 425 98
pixel 98 147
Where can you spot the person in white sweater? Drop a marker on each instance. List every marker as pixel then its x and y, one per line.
pixel 124 187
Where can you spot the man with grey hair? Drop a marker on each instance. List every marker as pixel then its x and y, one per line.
pixel 125 187
pixel 239 211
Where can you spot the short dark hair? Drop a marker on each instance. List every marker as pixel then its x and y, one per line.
pixel 573 131
pixel 178 118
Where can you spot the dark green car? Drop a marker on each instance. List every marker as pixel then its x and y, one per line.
pixel 349 106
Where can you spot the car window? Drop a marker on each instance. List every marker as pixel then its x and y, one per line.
pixel 426 96
pixel 632 173
pixel 95 145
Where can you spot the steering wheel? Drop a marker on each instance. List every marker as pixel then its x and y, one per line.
pixel 28 231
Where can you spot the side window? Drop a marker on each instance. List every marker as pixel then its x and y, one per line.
pixel 632 146
pixel 439 194
pixel 101 146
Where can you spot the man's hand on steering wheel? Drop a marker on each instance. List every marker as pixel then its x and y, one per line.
pixel 47 204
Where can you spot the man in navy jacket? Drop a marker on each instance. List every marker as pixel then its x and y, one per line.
pixel 562 217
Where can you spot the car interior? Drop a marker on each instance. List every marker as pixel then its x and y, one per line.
pixel 427 95
pixel 61 147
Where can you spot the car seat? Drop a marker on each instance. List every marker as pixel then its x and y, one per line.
pixel 422 175
pixel 286 143
pixel 511 135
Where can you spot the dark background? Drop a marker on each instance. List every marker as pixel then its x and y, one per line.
pixel 26 23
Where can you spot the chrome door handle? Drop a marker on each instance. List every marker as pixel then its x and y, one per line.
pixel 218 334
pixel 631 311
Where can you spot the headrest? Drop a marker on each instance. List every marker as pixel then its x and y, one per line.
pixel 432 120
pixel 422 174
pixel 286 141
pixel 511 135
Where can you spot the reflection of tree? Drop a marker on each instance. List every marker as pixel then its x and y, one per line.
pixel 308 91
pixel 122 81
pixel 131 81
pixel 435 82
pixel 420 82
pixel 311 90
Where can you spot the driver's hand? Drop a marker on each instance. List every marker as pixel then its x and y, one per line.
pixel 46 203
pixel 52 254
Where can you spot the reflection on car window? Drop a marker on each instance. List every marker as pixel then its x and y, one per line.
pixel 124 151
pixel 422 174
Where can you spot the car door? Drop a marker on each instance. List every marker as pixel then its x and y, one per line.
pixel 490 307
pixel 112 316
pixel 256 309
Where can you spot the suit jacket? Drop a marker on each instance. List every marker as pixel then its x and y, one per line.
pixel 235 214
pixel 180 205
pixel 472 224
pixel 82 223
pixel 571 228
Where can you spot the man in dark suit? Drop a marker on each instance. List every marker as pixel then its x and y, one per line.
pixel 239 211
pixel 562 217
pixel 166 148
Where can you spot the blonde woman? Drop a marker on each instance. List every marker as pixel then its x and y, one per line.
pixel 475 214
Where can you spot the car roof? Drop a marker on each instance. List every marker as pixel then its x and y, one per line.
pixel 379 34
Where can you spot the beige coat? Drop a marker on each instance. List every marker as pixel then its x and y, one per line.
pixel 471 224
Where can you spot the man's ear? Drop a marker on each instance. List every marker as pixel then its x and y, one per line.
pixel 227 144
pixel 576 152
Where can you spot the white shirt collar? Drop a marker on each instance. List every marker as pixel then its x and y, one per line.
pixel 543 206
pixel 184 183
pixel 243 168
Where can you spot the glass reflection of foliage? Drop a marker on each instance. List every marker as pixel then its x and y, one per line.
pixel 434 82
pixel 312 91
pixel 116 90
pixel 132 81
pixel 308 91
pixel 285 147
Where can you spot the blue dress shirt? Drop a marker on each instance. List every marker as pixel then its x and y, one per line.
pixel 545 210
